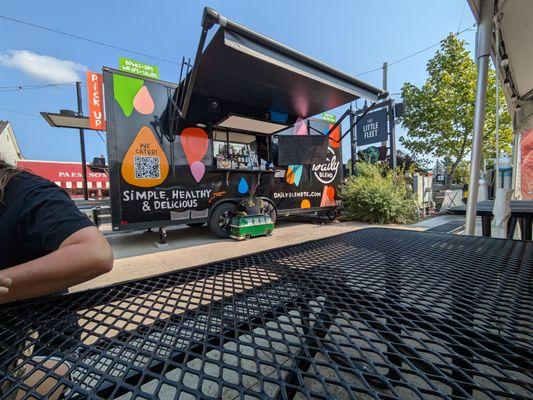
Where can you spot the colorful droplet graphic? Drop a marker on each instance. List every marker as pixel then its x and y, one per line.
pixel 125 89
pixel 328 196
pixel 305 204
pixel 143 102
pixel 300 127
pixel 243 186
pixel 294 174
pixel 197 170
pixel 195 142
pixel 145 163
pixel 335 137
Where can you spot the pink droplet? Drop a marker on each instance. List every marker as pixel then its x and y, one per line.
pixel 300 127
pixel 143 102
pixel 197 170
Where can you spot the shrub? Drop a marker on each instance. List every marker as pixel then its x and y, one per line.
pixel 378 195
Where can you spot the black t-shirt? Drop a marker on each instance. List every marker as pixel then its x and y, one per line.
pixel 36 216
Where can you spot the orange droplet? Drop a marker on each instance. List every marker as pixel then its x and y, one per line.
pixel 331 193
pixel 336 135
pixel 289 176
pixel 143 102
pixel 145 164
pixel 195 143
pixel 328 197
pixel 305 204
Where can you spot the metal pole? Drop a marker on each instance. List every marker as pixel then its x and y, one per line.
pixel 385 71
pixel 385 84
pixel 392 135
pixel 82 145
pixel 515 173
pixel 484 38
pixel 352 141
pixel 497 138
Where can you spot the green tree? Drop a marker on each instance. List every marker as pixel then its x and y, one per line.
pixel 439 116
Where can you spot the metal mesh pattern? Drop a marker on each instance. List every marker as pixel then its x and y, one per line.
pixel 377 313
pixel 519 208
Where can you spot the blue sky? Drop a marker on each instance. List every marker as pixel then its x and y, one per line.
pixel 352 35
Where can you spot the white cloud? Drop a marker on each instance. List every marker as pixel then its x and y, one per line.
pixel 45 68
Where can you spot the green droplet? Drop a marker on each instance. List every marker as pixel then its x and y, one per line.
pixel 125 89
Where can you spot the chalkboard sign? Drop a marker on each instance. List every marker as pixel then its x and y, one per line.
pixel 302 149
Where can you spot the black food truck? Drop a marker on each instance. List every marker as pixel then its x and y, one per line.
pixel 238 124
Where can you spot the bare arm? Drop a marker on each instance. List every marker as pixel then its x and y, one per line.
pixel 82 256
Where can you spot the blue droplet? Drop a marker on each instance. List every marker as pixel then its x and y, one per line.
pixel 243 186
pixel 297 169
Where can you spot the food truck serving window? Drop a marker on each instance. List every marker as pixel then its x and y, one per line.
pixel 233 150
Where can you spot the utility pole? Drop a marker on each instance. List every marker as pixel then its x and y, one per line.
pixel 82 144
pixel 390 113
pixel 385 83
pixel 392 135
pixel 385 72
pixel 352 140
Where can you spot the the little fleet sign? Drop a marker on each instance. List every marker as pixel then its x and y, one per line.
pixel 372 128
pixel 96 101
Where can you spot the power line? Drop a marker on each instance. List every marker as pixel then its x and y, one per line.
pixel 462 14
pixel 36 85
pixel 74 36
pixel 413 54
pixel 39 116
pixel 21 88
pixel 20 112
pixel 100 134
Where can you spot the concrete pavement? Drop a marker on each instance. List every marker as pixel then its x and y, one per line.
pixel 137 255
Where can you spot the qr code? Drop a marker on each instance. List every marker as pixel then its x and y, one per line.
pixel 147 167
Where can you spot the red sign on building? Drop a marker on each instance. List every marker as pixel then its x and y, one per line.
pixel 96 101
pixel 68 176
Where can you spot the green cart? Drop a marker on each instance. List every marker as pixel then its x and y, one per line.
pixel 246 227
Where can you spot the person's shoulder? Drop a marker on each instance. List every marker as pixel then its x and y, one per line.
pixel 26 181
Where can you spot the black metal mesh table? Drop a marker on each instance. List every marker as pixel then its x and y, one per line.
pixel 521 212
pixel 519 208
pixel 375 313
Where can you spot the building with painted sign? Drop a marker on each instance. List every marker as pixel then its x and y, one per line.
pixel 68 176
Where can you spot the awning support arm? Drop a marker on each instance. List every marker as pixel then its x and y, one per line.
pixel 194 72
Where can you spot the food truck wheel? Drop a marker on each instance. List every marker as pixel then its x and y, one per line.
pixel 270 210
pixel 196 224
pixel 219 222
pixel 332 215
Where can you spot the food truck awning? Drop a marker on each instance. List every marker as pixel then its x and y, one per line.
pixel 244 67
